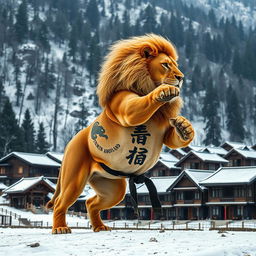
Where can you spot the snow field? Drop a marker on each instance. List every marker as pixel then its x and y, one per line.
pixel 86 242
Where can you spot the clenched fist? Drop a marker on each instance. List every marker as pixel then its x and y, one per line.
pixel 183 127
pixel 165 92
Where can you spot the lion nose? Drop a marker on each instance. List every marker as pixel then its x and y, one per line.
pixel 178 77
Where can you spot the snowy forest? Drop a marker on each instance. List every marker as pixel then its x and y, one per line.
pixel 51 52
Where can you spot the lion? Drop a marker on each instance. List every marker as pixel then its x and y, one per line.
pixel 139 92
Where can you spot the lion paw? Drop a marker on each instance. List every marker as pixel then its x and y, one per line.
pixel 61 230
pixel 183 127
pixel 166 93
pixel 101 228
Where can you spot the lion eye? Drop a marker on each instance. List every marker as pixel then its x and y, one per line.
pixel 166 65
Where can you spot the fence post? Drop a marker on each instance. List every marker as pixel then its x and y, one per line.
pixel 149 225
pixel 137 225
pixel 242 224
pixel 199 225
pixel 173 225
pixel 77 224
pixel 125 225
pixel 186 225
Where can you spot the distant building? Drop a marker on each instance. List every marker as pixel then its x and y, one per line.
pixel 241 157
pixel 228 145
pixel 201 160
pixel 231 193
pixel 16 165
pixel 189 196
pixel 28 192
pixel 215 150
pixel 178 153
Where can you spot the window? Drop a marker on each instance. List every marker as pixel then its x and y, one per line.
pixel 239 192
pixel 250 192
pixel 20 170
pixel 2 170
pixel 215 210
pixel 194 165
pixel 197 195
pixel 212 167
pixel 216 192
pixel 239 210
pixel 180 195
pixel 161 173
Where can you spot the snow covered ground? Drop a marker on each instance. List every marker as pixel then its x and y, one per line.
pixel 85 242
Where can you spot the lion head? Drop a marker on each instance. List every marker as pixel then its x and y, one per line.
pixel 140 64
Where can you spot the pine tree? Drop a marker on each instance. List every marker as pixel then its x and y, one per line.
pixel 11 136
pixel 210 112
pixel 234 117
pixel 21 25
pixel 92 13
pixel 196 79
pixel 42 145
pixel 29 133
pixel 43 37
pixel 18 92
pixel 83 118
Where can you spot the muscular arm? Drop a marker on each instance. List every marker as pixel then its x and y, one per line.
pixel 129 109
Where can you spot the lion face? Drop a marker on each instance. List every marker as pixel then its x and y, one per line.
pixel 164 69
pixel 140 64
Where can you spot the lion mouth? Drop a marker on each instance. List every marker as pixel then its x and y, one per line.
pixel 178 84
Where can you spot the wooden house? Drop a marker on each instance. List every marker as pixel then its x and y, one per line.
pixel 178 153
pixel 215 150
pixel 57 157
pixel 28 192
pixel 193 148
pixel 231 193
pixel 201 160
pixel 189 196
pixel 228 145
pixel 241 157
pixel 165 166
pixel 16 165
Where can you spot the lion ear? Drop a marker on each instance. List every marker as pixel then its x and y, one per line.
pixel 146 52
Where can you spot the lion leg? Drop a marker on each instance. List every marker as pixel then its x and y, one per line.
pixel 75 172
pixel 108 194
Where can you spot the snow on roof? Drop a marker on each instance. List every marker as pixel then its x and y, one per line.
pixel 231 175
pixel 195 175
pixel 55 156
pixel 168 157
pixel 182 152
pixel 169 164
pixel 234 144
pixel 34 159
pixel 244 153
pixel 2 186
pixel 196 148
pixel 26 183
pixel 198 175
pixel 161 183
pixel 215 150
pixel 206 157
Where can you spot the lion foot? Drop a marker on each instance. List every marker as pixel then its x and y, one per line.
pixel 61 230
pixel 101 228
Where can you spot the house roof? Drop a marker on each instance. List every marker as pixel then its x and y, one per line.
pixel 168 157
pixel 2 186
pixel 161 183
pixel 231 175
pixel 58 157
pixel 24 184
pixel 195 175
pixel 33 159
pixel 234 144
pixel 206 157
pixel 215 150
pixel 182 152
pixel 251 154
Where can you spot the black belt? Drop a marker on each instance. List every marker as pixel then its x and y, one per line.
pixel 138 179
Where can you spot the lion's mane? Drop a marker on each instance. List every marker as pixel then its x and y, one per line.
pixel 125 68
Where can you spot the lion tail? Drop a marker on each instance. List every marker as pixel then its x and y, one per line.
pixel 50 204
